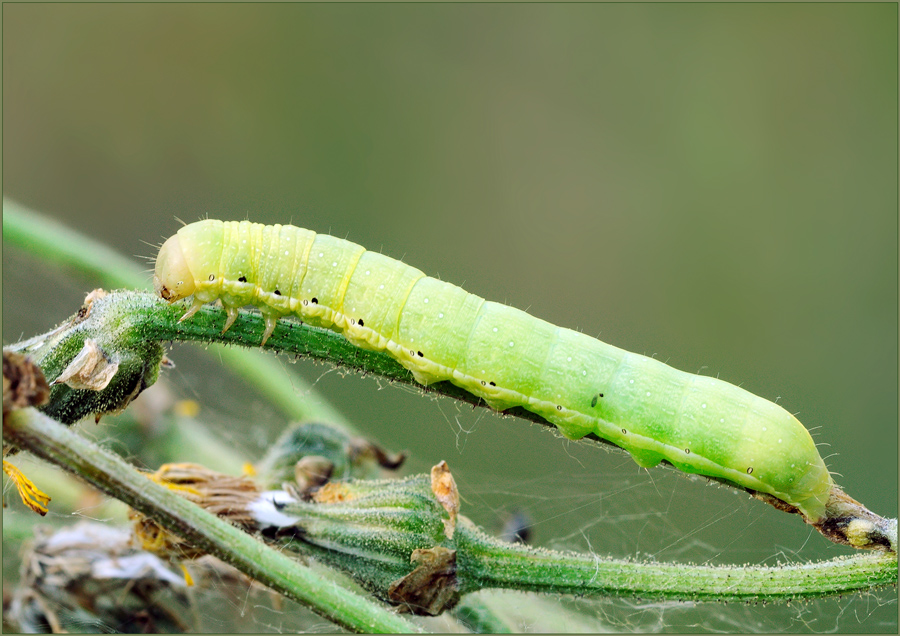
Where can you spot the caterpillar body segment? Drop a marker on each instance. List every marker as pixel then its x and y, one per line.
pixel 440 332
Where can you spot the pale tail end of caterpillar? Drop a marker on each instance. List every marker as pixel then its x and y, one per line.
pixel 440 332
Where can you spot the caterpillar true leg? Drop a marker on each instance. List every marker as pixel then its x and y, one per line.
pixel 193 310
pixel 232 313
pixel 271 322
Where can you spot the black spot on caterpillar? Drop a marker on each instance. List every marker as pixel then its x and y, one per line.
pixel 547 370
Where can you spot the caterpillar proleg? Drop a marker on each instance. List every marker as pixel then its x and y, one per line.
pixel 440 332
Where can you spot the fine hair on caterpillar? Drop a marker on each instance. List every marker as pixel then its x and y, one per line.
pixel 440 332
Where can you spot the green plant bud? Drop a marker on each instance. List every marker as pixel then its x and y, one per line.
pixel 349 456
pixel 369 529
pixel 95 364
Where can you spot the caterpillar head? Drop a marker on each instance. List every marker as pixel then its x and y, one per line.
pixel 172 279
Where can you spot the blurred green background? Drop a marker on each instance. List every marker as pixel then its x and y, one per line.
pixel 714 185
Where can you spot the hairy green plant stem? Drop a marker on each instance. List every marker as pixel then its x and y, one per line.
pixel 50 440
pixel 488 563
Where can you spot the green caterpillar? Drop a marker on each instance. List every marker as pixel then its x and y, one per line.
pixel 440 332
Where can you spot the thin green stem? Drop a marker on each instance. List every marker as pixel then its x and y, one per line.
pixel 53 242
pixel 486 562
pixel 50 440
